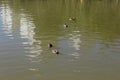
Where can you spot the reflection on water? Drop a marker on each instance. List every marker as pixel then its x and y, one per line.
pixel 6 18
pixel 26 28
pixel 75 37
pixel 89 47
pixel 27 31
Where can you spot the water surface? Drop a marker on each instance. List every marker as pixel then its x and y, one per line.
pixel 89 47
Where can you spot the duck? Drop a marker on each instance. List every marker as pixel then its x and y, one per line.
pixel 65 25
pixel 55 51
pixel 50 45
pixel 72 19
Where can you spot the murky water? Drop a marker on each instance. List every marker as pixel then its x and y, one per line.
pixel 89 48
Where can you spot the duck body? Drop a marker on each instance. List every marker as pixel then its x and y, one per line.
pixel 55 51
pixel 65 25
pixel 72 19
pixel 50 45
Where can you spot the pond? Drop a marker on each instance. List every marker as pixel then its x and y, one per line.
pixel 89 48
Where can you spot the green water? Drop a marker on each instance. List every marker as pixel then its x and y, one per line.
pixel 89 48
